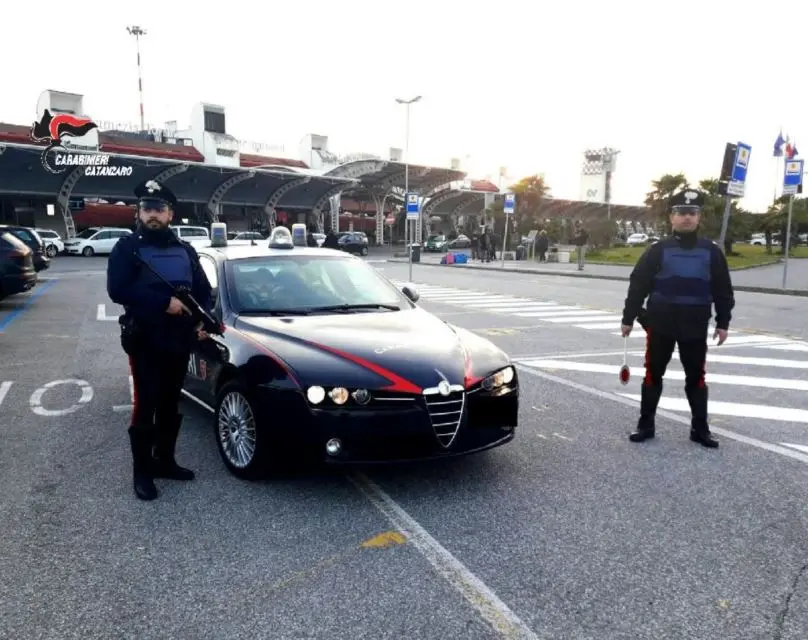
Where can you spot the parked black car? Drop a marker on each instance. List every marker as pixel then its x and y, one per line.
pixel 17 273
pixel 31 239
pixel 353 242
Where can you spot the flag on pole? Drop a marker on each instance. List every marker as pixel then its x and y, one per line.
pixel 791 150
pixel 778 145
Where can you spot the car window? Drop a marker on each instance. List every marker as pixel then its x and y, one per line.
pixel 102 235
pixel 23 235
pixel 86 234
pixel 268 283
pixel 209 267
pixel 14 242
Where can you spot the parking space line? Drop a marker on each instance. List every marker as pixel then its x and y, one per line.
pixel 12 316
pixel 503 620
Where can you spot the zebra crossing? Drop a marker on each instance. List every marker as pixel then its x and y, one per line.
pixel 761 394
pixel 578 316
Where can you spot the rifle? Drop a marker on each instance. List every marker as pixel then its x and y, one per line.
pixel 183 294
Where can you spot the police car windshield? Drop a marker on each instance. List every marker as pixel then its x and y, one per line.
pixel 309 284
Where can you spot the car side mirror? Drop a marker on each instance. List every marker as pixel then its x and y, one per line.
pixel 411 293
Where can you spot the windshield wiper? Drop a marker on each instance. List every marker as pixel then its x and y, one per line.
pixel 276 312
pixel 352 307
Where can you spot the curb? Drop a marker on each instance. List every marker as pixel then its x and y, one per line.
pixel 599 276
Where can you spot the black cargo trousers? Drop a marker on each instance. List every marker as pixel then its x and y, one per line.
pixel 158 375
pixel 659 349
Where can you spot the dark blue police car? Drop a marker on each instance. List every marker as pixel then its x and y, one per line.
pixel 322 353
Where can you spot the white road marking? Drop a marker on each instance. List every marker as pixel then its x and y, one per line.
pixel 671 374
pixel 127 407
pixel 553 311
pixel 751 360
pixel 581 317
pixel 503 620
pixel 798 447
pixel 786 347
pixel 752 442
pixel 101 314
pixel 521 308
pixel 509 302
pixel 598 325
pixel 204 405
pixel 735 409
pixel 36 398
pixel 453 299
pixel 4 389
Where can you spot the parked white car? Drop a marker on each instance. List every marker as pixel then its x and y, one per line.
pixel 637 238
pixel 53 242
pixel 95 240
pixel 190 233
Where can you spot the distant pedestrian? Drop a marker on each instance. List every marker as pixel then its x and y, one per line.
pixel 580 239
pixel 542 245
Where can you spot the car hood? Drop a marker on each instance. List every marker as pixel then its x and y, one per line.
pixel 405 351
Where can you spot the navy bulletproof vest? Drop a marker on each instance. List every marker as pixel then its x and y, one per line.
pixel 684 278
pixel 172 262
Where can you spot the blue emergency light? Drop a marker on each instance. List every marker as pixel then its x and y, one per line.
pixel 218 234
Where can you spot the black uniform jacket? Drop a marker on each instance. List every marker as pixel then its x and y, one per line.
pixel 685 322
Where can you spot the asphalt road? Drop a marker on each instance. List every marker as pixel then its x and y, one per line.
pixel 569 532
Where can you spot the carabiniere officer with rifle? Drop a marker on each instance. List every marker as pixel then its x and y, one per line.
pixel 145 273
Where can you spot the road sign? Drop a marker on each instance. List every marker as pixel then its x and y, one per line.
pixel 510 203
pixel 793 176
pixel 737 182
pixel 412 206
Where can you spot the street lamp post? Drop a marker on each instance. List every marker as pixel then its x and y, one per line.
pixel 408 230
pixel 137 32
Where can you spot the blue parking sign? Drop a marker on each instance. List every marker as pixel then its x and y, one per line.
pixel 412 206
pixel 510 203
pixel 737 182
pixel 793 176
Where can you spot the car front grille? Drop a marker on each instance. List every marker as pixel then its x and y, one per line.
pixel 446 413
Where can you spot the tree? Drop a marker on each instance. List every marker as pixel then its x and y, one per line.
pixel 529 192
pixel 661 192
pixel 740 223
pixel 776 220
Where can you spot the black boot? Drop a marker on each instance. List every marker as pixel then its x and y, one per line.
pixel 163 464
pixel 699 429
pixel 141 440
pixel 646 426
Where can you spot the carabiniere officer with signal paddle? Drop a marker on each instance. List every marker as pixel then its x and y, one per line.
pixel 682 276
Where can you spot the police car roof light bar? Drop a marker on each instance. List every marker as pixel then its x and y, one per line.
pixel 218 234
pixel 281 238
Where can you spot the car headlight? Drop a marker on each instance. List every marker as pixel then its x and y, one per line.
pixel 315 394
pixel 499 379
pixel 337 395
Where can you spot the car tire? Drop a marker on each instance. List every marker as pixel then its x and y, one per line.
pixel 51 251
pixel 234 403
pixel 364 251
pixel 88 252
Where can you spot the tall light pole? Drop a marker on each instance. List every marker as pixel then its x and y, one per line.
pixel 408 231
pixel 137 32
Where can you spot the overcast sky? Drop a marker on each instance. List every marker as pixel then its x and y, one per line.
pixel 527 85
